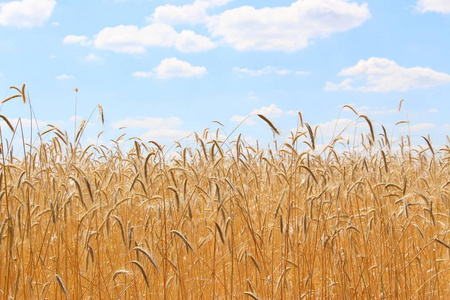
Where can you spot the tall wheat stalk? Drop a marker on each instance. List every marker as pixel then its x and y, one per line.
pixel 225 219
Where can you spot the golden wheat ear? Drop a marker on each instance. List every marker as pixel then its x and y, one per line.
pixel 100 113
pixel 7 122
pixel 269 123
pixel 61 284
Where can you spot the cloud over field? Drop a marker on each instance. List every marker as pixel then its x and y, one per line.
pixel 155 128
pixel 195 13
pixel 172 67
pixel 94 58
pixel 64 77
pixel 420 128
pixel 76 39
pixel 282 28
pixel 384 75
pixel 147 122
pixel 266 70
pixel 142 74
pixel 272 111
pixel 289 28
pixel 439 6
pixel 26 13
pixel 132 39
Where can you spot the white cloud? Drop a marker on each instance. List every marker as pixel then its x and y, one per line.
pixel 148 123
pixel 336 126
pixel 64 77
pixel 370 110
pixel 132 39
pixel 76 118
pixel 76 39
pixel 142 74
pixel 291 113
pixel 286 28
pixel 26 13
pixel 252 96
pixel 345 85
pixel 239 119
pixel 380 112
pixel 432 110
pixel 416 128
pixel 168 133
pixel 421 126
pixel 188 41
pixel 194 13
pixel 172 67
pixel 80 119
pixel 26 123
pixel 164 128
pixel 271 111
pixel 96 141
pixel 384 75
pixel 439 6
pixel 266 70
pixel 187 14
pixel 94 58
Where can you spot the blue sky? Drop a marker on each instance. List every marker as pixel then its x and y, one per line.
pixel 164 69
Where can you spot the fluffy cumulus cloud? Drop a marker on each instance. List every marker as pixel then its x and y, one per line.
pixel 272 111
pixel 141 74
pixel 148 123
pixel 64 77
pixel 239 119
pixel 337 127
pixel 173 67
pixel 384 75
pixel 188 41
pixel 439 6
pixel 26 13
pixel 288 28
pixel 76 39
pixel 420 128
pixel 94 58
pixel 132 39
pixel 167 134
pixel 187 14
pixel 370 110
pixel 195 13
pixel 156 128
pixel 266 70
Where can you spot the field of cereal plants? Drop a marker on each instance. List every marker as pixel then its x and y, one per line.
pixel 225 219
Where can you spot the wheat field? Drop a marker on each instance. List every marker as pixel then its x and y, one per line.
pixel 223 219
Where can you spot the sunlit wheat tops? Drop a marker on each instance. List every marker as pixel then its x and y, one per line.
pixel 225 219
